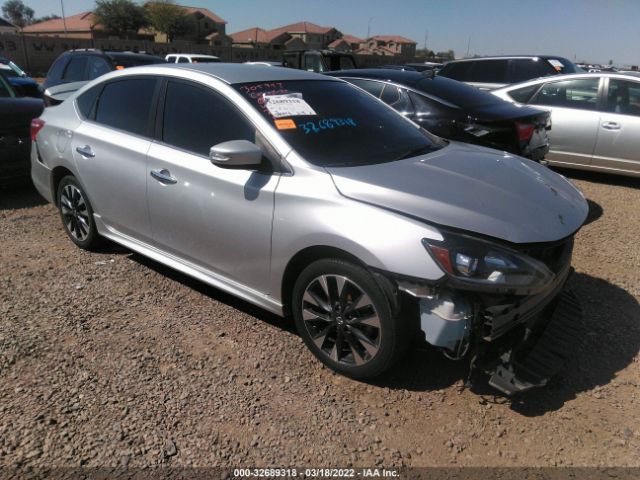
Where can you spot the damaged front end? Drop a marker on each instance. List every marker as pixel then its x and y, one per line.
pixel 503 308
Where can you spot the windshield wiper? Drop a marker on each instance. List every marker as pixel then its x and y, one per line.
pixel 417 151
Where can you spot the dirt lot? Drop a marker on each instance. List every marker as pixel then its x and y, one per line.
pixel 109 359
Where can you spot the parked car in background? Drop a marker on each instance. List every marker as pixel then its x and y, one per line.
pixel 191 58
pixel 595 117
pixel 457 111
pixel 87 64
pixel 300 193
pixel 318 60
pixel 488 73
pixel 16 114
pixel 267 63
pixel 21 82
pixel 416 67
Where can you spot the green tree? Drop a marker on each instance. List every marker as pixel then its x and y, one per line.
pixel 168 18
pixel 17 13
pixel 45 18
pixel 121 17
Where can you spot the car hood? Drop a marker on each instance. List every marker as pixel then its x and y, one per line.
pixel 474 189
pixel 18 112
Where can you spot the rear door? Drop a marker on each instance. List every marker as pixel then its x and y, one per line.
pixel 618 144
pixel 110 151
pixel 215 218
pixel 574 118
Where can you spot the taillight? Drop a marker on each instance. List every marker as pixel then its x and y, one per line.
pixel 525 131
pixel 36 126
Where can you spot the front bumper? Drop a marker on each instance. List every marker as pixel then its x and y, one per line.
pixel 521 342
pixel 535 360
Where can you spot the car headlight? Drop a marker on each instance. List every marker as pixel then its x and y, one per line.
pixel 476 264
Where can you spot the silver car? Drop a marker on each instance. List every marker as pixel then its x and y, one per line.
pixel 307 196
pixel 595 119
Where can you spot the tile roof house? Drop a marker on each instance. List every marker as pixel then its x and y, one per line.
pixel 296 35
pixel 388 45
pixel 83 25
pixel 7 27
pixel 347 43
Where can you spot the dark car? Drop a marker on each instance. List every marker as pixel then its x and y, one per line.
pixel 457 111
pixel 16 114
pixel 87 64
pixel 21 82
pixel 488 73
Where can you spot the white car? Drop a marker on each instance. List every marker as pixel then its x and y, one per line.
pixel 595 119
pixel 191 58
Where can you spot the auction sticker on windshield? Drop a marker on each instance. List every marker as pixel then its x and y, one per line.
pixel 288 105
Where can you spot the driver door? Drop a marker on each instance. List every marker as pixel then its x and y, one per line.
pixel 215 218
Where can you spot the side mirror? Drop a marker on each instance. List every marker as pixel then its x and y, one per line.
pixel 236 153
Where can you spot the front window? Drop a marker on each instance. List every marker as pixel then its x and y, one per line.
pixel 334 124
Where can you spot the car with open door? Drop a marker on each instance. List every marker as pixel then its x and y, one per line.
pixel 595 117
pixel 308 197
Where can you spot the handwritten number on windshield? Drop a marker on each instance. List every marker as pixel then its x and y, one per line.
pixel 327 124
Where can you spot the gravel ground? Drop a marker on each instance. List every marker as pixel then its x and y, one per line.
pixel 109 359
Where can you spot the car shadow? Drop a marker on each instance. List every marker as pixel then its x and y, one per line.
pixel 595 212
pixel 612 341
pixel 599 177
pixel 19 195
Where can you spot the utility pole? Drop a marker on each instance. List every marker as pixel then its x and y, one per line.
pixel 468 46
pixel 369 26
pixel 64 19
pixel 426 37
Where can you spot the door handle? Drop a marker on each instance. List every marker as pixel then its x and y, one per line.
pixel 85 151
pixel 164 176
pixel 611 125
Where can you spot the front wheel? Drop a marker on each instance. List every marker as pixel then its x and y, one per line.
pixel 346 319
pixel 76 213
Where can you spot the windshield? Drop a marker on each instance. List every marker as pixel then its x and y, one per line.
pixel 10 69
pixel 457 93
pixel 335 124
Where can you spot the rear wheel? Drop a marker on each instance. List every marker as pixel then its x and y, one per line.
pixel 76 213
pixel 346 319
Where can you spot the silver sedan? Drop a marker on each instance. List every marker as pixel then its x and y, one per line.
pixel 305 195
pixel 595 119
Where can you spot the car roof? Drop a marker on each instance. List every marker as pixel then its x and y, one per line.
pixel 242 73
pixel 570 76
pixel 506 57
pixel 410 78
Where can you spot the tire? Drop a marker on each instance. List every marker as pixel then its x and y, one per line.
pixel 76 214
pixel 346 319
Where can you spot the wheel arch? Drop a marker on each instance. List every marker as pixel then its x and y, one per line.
pixel 308 255
pixel 57 174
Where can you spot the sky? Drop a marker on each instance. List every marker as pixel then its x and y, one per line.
pixel 581 30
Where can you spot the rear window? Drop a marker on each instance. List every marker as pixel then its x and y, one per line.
pixel 127 61
pixel 456 70
pixel 76 69
pixel 456 94
pixel 333 124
